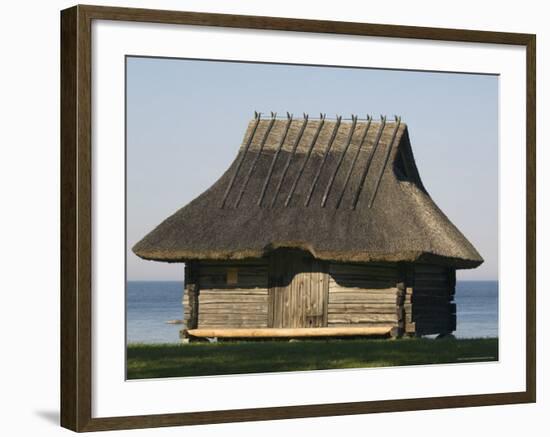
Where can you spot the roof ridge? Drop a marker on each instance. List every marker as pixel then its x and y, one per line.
pixel 322 116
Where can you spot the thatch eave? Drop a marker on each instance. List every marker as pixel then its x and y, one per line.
pixel 406 257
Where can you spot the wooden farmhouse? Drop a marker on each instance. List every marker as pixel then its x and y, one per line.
pixel 318 228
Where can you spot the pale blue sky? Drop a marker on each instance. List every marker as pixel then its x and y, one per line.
pixel 186 119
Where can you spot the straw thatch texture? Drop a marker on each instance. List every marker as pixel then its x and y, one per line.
pixel 328 187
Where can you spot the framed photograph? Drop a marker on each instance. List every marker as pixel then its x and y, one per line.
pixel 268 218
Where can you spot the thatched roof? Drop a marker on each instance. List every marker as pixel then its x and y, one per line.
pixel 345 190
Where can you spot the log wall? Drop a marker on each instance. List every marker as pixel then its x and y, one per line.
pixel 362 295
pixel 228 301
pixel 429 306
pixel 415 299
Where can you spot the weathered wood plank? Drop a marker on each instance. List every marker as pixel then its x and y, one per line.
pixel 431 321
pixel 434 308
pixel 249 280
pixel 232 322
pixel 231 301
pixel 234 306
pixel 366 282
pixel 372 279
pixel 422 300
pixel 353 307
pixel 365 291
pixel 234 292
pixel 291 332
pixel 431 282
pixel 429 268
pixel 243 275
pixel 222 284
pixel 236 296
pixel 260 313
pixel 426 298
pixel 361 325
pixel 361 298
pixel 339 289
pixel 432 289
pixel 232 325
pixel 220 317
pixel 366 269
pixel 361 318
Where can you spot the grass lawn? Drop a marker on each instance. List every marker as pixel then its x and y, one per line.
pixel 199 359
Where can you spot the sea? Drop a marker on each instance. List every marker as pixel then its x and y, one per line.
pixel 150 304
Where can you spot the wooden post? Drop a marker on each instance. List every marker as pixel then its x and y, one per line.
pixel 410 326
pixel 185 300
pixel 399 329
pixel 193 290
pixel 325 281
pixel 452 282
pixel 452 289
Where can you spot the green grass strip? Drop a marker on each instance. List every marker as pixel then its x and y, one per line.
pixel 225 358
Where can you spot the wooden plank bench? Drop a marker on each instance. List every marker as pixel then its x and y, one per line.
pixel 241 333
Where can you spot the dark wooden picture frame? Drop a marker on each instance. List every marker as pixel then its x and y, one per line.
pixel 76 217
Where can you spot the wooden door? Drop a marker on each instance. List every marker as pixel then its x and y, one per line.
pixel 298 290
